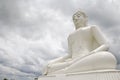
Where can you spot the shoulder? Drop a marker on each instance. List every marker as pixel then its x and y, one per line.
pixel 94 27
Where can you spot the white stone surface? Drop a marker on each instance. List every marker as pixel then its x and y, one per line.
pixel 96 75
pixel 87 50
pixel 88 57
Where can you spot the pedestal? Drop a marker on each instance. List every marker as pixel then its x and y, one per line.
pixel 91 75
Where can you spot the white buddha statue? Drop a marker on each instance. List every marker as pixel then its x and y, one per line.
pixel 88 50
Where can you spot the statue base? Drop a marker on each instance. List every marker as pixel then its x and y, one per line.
pixel 91 75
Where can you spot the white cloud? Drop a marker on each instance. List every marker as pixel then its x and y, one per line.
pixel 33 32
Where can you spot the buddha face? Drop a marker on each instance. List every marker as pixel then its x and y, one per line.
pixel 79 19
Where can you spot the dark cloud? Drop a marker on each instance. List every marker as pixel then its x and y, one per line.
pixel 9 12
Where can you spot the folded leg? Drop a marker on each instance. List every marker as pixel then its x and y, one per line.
pixel 96 61
pixel 58 66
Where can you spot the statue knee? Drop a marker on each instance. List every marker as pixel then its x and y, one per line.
pixel 102 60
pixel 106 57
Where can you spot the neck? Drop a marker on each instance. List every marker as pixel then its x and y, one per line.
pixel 80 26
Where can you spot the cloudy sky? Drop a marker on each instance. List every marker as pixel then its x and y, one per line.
pixel 32 32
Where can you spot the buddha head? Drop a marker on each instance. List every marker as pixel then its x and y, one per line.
pixel 80 19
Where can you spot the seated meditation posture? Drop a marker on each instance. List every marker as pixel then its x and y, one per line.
pixel 88 50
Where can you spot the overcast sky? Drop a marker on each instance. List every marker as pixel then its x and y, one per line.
pixel 33 32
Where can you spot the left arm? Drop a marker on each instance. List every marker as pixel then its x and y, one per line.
pixel 100 38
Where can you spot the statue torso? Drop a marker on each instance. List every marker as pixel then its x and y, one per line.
pixel 81 42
